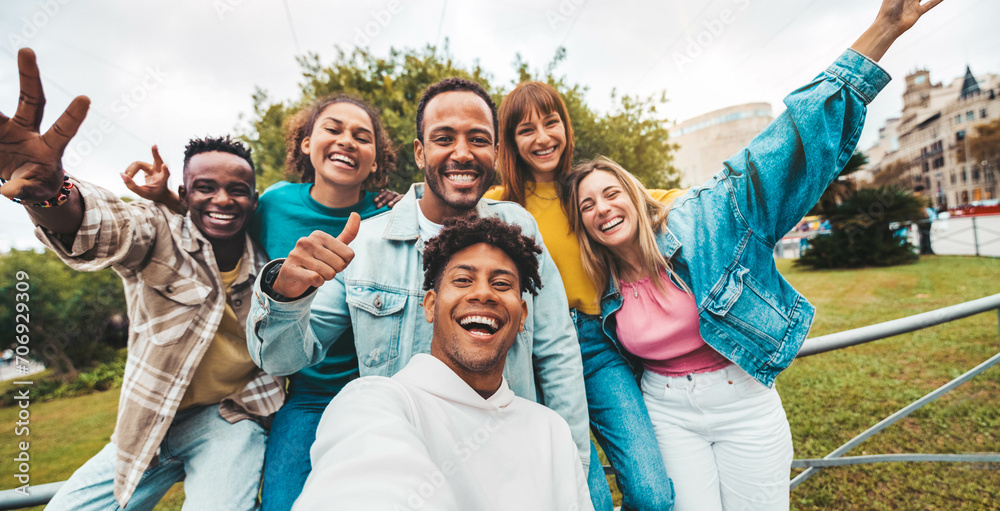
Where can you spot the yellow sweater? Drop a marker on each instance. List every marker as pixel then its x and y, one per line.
pixel 543 204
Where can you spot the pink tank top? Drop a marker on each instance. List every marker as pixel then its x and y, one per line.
pixel 663 330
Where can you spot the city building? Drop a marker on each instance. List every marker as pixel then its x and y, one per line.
pixel 708 140
pixel 926 145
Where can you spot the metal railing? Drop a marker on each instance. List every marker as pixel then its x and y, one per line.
pixel 41 494
pixel 881 331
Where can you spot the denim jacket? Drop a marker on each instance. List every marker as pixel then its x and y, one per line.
pixel 380 294
pixel 720 236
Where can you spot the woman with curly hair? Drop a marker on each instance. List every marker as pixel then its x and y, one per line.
pixel 339 150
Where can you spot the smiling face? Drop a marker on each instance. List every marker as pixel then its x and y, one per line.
pixel 477 311
pixel 341 147
pixel 607 213
pixel 219 194
pixel 458 155
pixel 541 141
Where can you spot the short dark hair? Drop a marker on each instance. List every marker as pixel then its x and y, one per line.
pixel 461 233
pixel 223 144
pixel 453 85
pixel 301 126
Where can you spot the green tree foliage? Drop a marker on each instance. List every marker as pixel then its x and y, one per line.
pixel 76 319
pixel 865 231
pixel 633 134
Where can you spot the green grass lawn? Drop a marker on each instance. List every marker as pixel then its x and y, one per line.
pixel 829 398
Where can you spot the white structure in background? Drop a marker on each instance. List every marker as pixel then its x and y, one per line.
pixel 929 138
pixel 708 140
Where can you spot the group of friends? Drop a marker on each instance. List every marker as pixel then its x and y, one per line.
pixel 325 347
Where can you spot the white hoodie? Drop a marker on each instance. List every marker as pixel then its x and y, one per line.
pixel 424 439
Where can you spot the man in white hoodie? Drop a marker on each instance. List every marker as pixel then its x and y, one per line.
pixel 446 432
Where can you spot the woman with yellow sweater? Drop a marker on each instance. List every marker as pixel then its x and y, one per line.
pixel 536 151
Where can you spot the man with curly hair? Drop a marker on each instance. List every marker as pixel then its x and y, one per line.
pixel 192 397
pixel 304 302
pixel 446 432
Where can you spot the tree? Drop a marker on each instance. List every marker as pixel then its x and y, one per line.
pixel 985 149
pixel 75 319
pixel 894 174
pixel 632 133
pixel 866 231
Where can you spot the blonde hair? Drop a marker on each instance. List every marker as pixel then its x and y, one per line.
pixel 600 262
pixel 526 98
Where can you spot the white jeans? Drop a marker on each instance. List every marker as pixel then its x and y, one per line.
pixel 724 437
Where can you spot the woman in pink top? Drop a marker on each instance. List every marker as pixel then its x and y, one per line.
pixel 693 291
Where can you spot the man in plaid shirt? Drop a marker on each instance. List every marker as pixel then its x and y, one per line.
pixel 189 380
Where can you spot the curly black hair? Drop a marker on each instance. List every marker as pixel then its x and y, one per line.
pixel 451 85
pixel 460 233
pixel 223 144
pixel 301 125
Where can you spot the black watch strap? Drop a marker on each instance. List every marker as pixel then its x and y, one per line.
pixel 267 283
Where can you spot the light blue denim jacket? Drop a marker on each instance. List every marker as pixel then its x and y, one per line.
pixel 380 293
pixel 720 236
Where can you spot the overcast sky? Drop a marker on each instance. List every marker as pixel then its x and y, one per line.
pixel 163 72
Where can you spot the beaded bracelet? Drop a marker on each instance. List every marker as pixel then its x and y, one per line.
pixel 58 200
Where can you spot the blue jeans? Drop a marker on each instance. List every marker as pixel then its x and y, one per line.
pixel 220 464
pixel 287 463
pixel 620 422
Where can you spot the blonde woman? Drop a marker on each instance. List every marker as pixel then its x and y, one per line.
pixel 692 291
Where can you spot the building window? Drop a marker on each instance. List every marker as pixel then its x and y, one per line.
pixel 939 162
pixel 970 115
pixel 958 119
pixel 965 177
pixel 953 178
pixel 960 136
pixel 975 175
pixel 927 167
pixel 982 113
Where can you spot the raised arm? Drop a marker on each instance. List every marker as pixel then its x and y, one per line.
pixel 31 163
pixel 155 188
pixel 893 19
pixel 785 169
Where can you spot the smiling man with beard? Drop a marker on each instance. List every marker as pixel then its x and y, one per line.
pixel 189 381
pixel 379 290
pixel 446 432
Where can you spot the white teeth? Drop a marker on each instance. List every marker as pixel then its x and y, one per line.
pixel 546 152
pixel 345 159
pixel 611 223
pixel 492 323
pixel 221 216
pixel 462 178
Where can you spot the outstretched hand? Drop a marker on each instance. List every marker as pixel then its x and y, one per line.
pixel 894 18
pixel 316 259
pixel 156 175
pixel 30 162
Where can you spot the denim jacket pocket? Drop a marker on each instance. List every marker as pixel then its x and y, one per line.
pixel 168 303
pixel 744 304
pixel 377 315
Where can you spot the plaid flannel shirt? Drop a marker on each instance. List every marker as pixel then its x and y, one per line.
pixel 172 286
